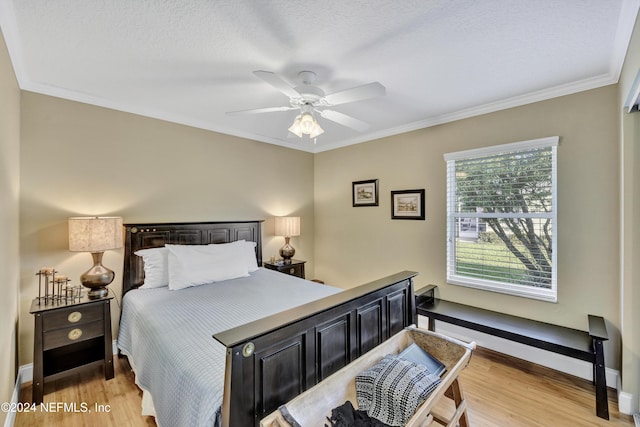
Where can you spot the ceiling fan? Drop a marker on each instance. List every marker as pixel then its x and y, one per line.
pixel 310 99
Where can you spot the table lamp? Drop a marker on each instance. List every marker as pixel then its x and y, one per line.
pixel 95 235
pixel 287 226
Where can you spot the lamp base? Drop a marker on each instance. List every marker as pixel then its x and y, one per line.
pixel 98 293
pixel 97 277
pixel 287 251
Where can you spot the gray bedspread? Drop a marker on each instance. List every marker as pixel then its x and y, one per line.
pixel 167 336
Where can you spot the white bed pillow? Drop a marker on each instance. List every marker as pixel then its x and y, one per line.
pixel 156 274
pixel 245 250
pixel 194 265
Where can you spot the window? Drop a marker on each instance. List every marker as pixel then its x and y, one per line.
pixel 501 218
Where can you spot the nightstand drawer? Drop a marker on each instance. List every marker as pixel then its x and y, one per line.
pixel 294 270
pixel 68 317
pixel 72 334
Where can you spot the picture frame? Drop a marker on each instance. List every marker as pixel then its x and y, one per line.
pixel 407 204
pixel 365 193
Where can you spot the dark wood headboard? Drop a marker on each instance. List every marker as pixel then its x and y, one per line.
pixel 143 236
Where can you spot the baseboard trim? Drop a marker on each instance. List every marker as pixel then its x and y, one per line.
pixel 625 403
pixel 26 373
pixel 10 420
pixel 568 365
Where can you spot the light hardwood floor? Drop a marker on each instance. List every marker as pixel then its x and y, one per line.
pixel 501 391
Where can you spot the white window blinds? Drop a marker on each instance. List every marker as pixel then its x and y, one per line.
pixel 501 218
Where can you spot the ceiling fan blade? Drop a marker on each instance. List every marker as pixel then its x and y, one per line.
pixel 261 110
pixel 277 82
pixel 345 120
pixel 357 93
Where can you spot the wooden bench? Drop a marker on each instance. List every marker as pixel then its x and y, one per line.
pixel 570 342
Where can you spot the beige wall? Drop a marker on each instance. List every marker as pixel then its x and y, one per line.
pixel 9 223
pixel 630 229
pixel 78 159
pixel 354 245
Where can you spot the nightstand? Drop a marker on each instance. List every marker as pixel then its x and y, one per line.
pixel 68 337
pixel 294 268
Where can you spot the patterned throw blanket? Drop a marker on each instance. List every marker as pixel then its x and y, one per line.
pixel 391 390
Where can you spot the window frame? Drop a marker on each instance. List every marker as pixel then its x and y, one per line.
pixel 532 292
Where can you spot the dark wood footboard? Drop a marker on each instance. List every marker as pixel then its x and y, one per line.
pixel 272 360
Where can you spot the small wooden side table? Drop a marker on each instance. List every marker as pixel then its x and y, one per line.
pixel 69 337
pixel 294 268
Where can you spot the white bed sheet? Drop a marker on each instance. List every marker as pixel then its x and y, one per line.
pixel 167 336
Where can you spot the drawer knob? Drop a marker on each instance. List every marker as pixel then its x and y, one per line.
pixel 74 317
pixel 74 334
pixel 292 270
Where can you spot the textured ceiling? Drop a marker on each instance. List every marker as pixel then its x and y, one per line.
pixel 191 62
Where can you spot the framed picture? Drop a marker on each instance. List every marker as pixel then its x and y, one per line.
pixel 365 193
pixel 407 204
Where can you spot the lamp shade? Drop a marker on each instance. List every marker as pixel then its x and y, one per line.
pixel 287 226
pixel 95 234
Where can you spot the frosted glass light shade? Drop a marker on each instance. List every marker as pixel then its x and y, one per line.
pixel 287 226
pixel 95 234
pixel 306 124
pixel 295 127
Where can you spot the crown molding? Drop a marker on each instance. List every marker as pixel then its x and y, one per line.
pixel 516 101
pixel 84 98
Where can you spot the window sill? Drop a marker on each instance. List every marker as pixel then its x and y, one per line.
pixel 548 295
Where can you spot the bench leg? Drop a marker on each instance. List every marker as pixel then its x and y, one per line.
pixel 600 380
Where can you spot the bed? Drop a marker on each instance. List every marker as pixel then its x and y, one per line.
pixel 230 352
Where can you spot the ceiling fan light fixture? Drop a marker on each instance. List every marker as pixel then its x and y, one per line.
pixel 309 99
pixel 306 124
